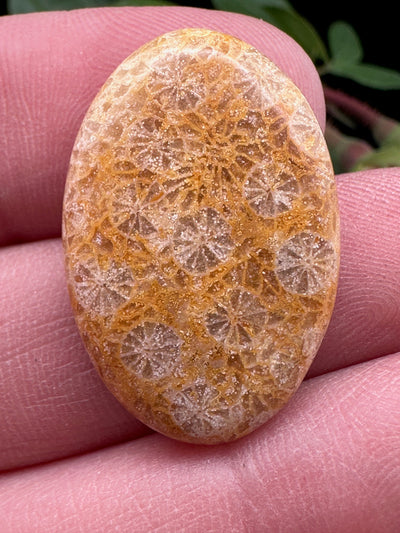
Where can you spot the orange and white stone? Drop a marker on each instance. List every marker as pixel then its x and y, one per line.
pixel 201 236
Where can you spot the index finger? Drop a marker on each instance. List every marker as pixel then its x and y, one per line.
pixel 52 68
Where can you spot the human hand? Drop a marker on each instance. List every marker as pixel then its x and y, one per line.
pixel 329 461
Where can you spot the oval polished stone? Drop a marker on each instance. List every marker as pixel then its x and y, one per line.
pixel 201 236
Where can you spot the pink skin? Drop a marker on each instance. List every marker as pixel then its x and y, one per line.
pixel 328 462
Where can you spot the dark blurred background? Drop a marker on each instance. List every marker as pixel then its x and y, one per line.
pixel 378 28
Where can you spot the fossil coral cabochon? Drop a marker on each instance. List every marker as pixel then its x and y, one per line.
pixel 201 235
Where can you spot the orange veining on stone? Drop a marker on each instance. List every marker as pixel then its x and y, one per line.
pixel 201 235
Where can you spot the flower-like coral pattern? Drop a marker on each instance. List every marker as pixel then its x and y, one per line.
pixel 129 210
pixel 270 193
pixel 155 147
pixel 102 290
pixel 283 369
pixel 238 320
pixel 180 89
pixel 78 221
pixel 306 263
pixel 199 409
pixel 202 240
pixel 151 350
pixel 305 133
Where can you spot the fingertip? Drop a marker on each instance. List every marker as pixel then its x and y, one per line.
pixel 366 319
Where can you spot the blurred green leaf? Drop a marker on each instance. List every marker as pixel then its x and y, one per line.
pixel 365 74
pixel 387 156
pixel 255 8
pixel 29 6
pixel 301 30
pixel 344 43
pixel 140 3
pixel 346 62
pixel 393 138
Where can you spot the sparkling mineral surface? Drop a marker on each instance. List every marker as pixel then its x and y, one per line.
pixel 201 236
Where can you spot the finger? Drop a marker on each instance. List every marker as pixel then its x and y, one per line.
pixel 328 462
pixel 52 68
pixel 54 405
pixel 366 318
pixel 52 402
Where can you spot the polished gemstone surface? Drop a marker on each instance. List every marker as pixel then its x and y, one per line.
pixel 201 235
